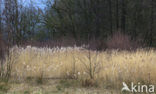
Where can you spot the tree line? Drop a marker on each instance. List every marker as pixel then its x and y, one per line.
pixel 78 19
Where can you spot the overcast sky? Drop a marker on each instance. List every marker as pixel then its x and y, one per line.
pixel 39 3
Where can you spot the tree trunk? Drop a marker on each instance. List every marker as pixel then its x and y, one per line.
pixel 117 15
pixel 123 17
pixel 151 24
pixel 0 17
pixel 110 15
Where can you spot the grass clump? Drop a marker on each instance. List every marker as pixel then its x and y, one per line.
pixel 4 87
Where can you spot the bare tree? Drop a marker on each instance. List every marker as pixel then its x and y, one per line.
pixel 151 24
pixel 0 16
pixel 123 16
pixel 117 14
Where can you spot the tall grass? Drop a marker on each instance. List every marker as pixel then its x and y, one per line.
pixel 107 68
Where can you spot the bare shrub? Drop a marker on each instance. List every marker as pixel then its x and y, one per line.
pixel 96 44
pixel 62 42
pixel 92 67
pixel 89 83
pixel 93 44
pixel 2 48
pixel 6 66
pixel 120 41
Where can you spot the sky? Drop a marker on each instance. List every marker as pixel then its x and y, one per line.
pixel 38 3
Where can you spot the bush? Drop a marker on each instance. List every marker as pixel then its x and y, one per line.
pixel 89 83
pixel 7 65
pixel 120 41
pixel 2 49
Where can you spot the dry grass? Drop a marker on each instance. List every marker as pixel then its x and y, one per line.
pixel 112 68
pixel 25 88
